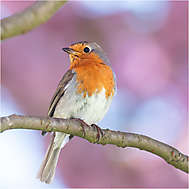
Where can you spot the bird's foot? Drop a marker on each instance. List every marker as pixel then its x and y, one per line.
pixel 99 131
pixel 83 124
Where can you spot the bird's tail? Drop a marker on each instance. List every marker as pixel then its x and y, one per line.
pixel 48 166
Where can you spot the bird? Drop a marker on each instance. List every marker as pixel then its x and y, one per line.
pixel 85 93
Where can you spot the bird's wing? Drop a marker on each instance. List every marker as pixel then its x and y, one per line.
pixel 59 93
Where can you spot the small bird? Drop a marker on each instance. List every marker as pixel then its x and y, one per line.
pixel 85 93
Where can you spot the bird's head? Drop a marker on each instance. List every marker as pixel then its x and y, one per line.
pixel 86 52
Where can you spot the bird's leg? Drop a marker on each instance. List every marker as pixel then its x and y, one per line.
pixel 83 124
pixel 99 131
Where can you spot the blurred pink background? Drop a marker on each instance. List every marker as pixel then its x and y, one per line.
pixel 146 43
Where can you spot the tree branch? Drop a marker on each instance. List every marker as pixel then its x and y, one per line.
pixel 28 19
pixel 120 139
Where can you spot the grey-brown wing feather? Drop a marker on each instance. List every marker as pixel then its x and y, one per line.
pixel 59 93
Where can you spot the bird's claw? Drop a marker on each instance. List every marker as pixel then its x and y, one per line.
pixel 99 131
pixel 83 124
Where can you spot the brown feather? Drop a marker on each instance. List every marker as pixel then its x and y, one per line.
pixel 59 93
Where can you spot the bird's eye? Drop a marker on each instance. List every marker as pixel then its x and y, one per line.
pixel 86 49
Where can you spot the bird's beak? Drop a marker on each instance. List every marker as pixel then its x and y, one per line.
pixel 69 50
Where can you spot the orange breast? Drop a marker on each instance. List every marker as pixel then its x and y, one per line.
pixel 93 77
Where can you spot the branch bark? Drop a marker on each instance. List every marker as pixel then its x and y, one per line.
pixel 28 19
pixel 120 139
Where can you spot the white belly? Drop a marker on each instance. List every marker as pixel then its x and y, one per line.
pixel 90 109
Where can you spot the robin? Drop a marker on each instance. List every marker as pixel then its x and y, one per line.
pixel 85 93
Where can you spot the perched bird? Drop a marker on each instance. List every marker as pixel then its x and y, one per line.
pixel 85 92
